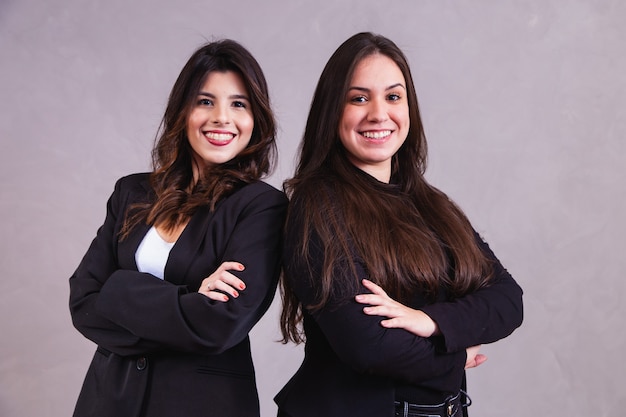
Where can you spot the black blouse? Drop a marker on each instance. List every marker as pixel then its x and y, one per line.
pixel 352 364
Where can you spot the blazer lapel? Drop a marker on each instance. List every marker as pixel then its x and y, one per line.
pixel 189 245
pixel 128 247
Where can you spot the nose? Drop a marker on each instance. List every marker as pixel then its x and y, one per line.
pixel 220 115
pixel 377 111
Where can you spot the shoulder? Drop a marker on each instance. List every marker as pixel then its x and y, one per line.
pixel 314 190
pixel 139 180
pixel 259 189
pixel 255 196
pixel 313 195
pixel 314 206
pixel 132 188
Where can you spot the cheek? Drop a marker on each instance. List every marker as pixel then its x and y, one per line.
pixel 401 120
pixel 347 124
pixel 246 124
pixel 193 121
pixel 404 118
pixel 344 133
pixel 348 120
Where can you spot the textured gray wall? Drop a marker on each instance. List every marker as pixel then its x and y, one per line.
pixel 524 106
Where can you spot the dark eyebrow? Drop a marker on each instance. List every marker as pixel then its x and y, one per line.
pixel 234 96
pixel 391 87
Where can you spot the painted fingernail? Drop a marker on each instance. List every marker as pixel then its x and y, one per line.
pixel 235 294
pixel 242 287
pixel 225 298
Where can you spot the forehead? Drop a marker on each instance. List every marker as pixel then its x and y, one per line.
pixel 377 69
pixel 217 81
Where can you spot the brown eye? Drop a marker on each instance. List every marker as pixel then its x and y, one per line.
pixel 358 99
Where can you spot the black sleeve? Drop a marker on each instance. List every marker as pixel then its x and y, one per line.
pixel 96 267
pixel 484 316
pixel 358 339
pixel 172 317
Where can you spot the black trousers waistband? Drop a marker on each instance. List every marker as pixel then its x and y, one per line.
pixel 451 407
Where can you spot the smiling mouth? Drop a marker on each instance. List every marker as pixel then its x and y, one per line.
pixel 219 136
pixel 376 135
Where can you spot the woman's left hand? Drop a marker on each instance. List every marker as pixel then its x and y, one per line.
pixel 473 357
pixel 399 315
pixel 221 284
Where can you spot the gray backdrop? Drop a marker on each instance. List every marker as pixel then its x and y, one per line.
pixel 523 103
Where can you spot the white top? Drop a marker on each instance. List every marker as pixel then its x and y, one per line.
pixel 152 253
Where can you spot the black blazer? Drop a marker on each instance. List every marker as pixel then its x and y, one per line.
pixel 353 366
pixel 164 349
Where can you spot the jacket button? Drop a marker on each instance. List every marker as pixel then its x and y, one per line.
pixel 142 363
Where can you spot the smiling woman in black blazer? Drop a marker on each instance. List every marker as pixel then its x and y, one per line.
pixel 187 260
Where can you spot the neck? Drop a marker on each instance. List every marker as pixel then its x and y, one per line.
pixel 381 172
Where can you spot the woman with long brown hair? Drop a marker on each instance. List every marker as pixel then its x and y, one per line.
pixel 188 257
pixel 393 287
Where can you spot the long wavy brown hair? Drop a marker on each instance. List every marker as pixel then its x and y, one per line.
pixel 412 239
pixel 176 193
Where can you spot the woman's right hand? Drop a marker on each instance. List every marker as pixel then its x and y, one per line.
pixel 473 357
pixel 221 283
pixel 398 315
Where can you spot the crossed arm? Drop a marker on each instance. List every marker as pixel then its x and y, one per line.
pixel 400 316
pixel 483 316
pixel 129 312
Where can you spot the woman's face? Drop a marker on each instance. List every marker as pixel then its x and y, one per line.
pixel 375 120
pixel 220 124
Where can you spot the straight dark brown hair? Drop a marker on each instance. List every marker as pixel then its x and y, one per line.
pixel 176 194
pixel 422 240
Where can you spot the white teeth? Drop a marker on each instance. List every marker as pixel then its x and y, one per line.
pixel 377 135
pixel 219 136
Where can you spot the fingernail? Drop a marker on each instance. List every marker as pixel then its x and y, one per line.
pixel 241 267
pixel 225 298
pixel 242 287
pixel 235 294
